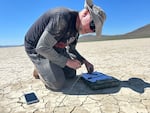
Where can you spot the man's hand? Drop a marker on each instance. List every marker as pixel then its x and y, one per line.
pixel 89 66
pixel 74 64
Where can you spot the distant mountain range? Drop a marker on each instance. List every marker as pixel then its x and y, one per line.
pixel 4 46
pixel 142 32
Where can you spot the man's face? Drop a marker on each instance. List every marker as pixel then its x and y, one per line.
pixel 85 23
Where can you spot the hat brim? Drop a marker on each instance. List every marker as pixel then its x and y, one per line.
pixel 98 20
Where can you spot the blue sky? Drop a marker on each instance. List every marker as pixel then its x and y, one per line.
pixel 16 16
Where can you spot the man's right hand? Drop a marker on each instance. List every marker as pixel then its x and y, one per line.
pixel 74 64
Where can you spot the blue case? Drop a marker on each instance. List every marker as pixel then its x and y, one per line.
pixel 97 80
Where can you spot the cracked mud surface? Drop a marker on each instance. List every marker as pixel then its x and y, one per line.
pixel 126 60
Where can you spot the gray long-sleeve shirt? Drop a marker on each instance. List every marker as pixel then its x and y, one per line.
pixel 53 30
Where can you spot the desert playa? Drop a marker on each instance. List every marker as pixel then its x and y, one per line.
pixel 126 60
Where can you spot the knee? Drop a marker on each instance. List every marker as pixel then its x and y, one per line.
pixel 55 86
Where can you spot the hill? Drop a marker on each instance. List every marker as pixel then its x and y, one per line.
pixel 5 46
pixel 142 32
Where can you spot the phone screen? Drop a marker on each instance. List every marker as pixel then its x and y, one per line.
pixel 31 98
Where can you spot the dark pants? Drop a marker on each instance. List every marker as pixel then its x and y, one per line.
pixel 52 75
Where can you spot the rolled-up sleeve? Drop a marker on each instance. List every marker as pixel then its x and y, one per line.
pixel 45 48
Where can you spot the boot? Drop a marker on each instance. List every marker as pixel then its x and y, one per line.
pixel 35 74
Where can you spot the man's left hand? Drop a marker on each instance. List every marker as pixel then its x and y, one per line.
pixel 89 66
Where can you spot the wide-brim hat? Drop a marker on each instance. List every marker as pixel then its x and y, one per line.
pixel 97 14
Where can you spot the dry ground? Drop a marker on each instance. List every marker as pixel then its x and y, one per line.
pixel 127 60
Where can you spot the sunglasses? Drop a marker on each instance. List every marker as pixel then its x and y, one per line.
pixel 92 26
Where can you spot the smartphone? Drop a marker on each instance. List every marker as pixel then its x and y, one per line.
pixel 31 98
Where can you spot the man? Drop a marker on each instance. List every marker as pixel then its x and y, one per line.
pixel 50 42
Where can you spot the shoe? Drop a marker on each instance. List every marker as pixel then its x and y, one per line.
pixel 35 74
